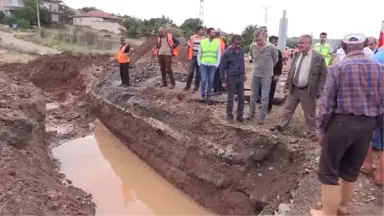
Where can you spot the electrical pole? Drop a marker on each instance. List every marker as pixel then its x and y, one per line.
pixel 201 12
pixel 266 14
pixel 38 14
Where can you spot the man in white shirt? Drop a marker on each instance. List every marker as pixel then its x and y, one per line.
pixel 340 54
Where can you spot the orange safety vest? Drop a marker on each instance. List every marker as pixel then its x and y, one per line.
pixel 222 46
pixel 286 54
pixel 175 51
pixel 191 44
pixel 121 58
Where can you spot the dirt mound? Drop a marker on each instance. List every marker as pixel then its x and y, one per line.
pixel 60 71
pixel 28 183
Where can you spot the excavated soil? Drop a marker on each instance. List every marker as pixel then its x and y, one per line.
pixel 38 99
pixel 230 169
pixel 29 184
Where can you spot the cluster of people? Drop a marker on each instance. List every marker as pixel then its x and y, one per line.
pixel 350 94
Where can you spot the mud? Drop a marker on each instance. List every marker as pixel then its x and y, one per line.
pixel 29 183
pixel 230 169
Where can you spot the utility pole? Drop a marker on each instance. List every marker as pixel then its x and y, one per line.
pixel 266 14
pixel 201 12
pixel 38 14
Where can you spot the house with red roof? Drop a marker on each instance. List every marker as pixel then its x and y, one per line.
pixel 99 20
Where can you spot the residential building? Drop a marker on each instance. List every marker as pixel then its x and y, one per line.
pixel 54 8
pixel 7 6
pixel 98 20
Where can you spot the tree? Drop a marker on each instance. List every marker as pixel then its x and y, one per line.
pixel 189 26
pixel 247 36
pixel 292 42
pixel 67 13
pixel 132 24
pixel 88 9
pixel 28 12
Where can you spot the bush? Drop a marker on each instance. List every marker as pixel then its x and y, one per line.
pixel 25 24
pixel 9 20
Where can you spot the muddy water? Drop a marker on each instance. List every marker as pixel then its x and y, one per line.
pixel 121 184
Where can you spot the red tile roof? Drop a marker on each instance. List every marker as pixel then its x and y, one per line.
pixel 97 13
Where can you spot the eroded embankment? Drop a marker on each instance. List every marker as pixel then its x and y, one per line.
pixel 28 183
pixel 229 169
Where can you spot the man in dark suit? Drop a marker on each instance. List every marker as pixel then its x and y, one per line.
pixel 305 82
pixel 276 71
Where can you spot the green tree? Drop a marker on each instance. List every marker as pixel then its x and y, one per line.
pixel 292 42
pixel 132 25
pixel 247 36
pixel 28 12
pixel 189 26
pixel 88 9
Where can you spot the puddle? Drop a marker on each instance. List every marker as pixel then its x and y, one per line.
pixel 120 183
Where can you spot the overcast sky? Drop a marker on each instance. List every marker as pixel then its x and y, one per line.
pixel 336 17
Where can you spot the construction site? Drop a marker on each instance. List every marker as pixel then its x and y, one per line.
pixel 73 142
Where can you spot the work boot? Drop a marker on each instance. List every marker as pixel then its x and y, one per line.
pixel 277 128
pixel 186 88
pixel 250 118
pixel 240 119
pixel 346 196
pixel 367 167
pixel 330 197
pixel 172 86
pixel 195 89
pixel 164 85
pixel 230 118
pixel 379 173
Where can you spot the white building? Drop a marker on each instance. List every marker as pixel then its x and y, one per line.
pixel 98 20
pixel 8 6
pixel 54 8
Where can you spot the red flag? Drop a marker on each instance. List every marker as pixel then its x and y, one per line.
pixel 381 37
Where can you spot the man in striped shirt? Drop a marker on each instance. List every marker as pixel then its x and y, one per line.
pixel 193 48
pixel 351 108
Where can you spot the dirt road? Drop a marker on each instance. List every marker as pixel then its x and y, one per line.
pixel 8 40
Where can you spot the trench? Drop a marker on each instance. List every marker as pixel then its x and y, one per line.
pixel 120 183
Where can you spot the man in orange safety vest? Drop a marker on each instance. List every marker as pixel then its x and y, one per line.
pixel 193 48
pixel 166 47
pixel 123 59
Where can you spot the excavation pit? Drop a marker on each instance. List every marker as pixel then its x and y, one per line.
pixel 228 168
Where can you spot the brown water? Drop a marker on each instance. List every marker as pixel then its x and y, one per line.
pixel 121 184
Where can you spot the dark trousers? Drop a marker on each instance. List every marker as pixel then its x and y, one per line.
pixel 271 94
pixel 165 63
pixel 235 85
pixel 192 66
pixel 217 85
pixel 124 73
pixel 345 146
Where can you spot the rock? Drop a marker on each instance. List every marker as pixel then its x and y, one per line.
pixel 283 208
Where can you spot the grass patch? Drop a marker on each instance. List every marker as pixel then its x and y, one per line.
pixel 58 44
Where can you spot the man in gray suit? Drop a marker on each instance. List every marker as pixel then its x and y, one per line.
pixel 305 83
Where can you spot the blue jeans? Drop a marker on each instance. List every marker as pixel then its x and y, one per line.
pixel 206 84
pixel 377 139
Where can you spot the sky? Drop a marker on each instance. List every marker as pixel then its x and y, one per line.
pixel 336 17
